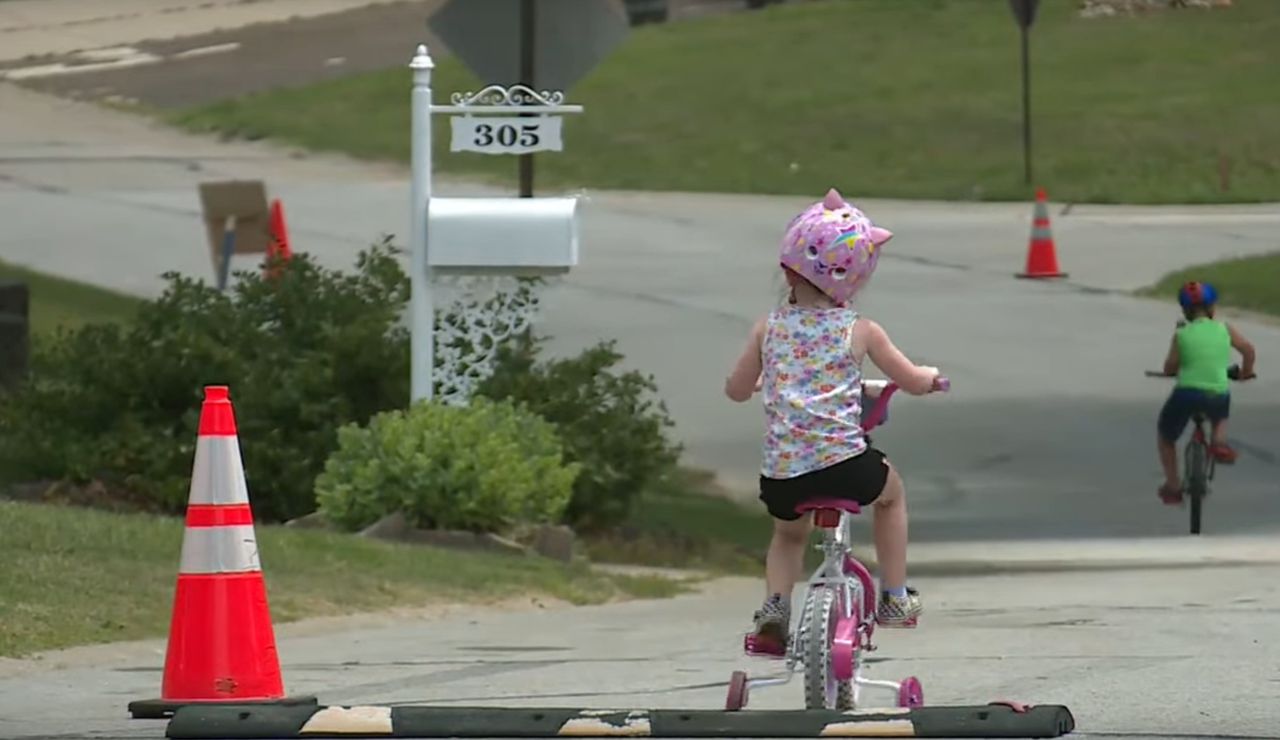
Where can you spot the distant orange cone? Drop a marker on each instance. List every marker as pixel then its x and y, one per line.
pixel 222 646
pixel 278 246
pixel 1042 255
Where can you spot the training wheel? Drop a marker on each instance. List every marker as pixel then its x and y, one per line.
pixel 737 698
pixel 910 693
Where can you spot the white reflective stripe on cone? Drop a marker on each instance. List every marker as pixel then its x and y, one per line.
pixel 217 476
pixel 219 550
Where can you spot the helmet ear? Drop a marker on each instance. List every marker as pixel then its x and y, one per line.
pixel 833 201
pixel 880 236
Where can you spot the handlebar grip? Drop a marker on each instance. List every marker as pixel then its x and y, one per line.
pixel 941 383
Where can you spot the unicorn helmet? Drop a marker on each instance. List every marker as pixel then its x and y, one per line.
pixel 834 246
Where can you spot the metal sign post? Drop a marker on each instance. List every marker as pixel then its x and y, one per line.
pixel 539 44
pixel 528 37
pixel 1024 12
pixel 513 120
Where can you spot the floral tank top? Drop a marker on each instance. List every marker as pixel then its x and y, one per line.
pixel 811 389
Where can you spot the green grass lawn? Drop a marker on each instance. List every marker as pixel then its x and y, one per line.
pixel 918 99
pixel 684 524
pixel 57 302
pixel 1250 283
pixel 688 523
pixel 75 576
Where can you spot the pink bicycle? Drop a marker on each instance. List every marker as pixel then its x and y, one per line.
pixel 838 619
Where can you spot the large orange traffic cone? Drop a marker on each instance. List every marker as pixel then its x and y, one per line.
pixel 222 646
pixel 1042 255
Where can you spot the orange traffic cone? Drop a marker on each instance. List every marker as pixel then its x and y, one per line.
pixel 222 646
pixel 278 246
pixel 1042 255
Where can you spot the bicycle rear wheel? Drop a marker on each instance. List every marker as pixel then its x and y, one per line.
pixel 822 690
pixel 1197 474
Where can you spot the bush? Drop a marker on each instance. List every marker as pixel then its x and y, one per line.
pixel 608 421
pixel 303 354
pixel 482 468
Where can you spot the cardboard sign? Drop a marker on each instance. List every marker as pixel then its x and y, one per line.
pixel 246 200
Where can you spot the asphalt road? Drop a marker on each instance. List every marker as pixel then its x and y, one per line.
pixel 1131 654
pixel 250 58
pixel 209 66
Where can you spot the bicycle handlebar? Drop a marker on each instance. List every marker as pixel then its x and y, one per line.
pixel 884 391
pixel 1233 373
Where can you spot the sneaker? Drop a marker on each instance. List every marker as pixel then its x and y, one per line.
pixel 771 622
pixel 1170 495
pixel 899 611
pixel 1224 454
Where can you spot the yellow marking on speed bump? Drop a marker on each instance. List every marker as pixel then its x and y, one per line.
pixel 636 724
pixel 883 728
pixel 349 721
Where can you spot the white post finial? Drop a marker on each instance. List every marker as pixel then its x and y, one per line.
pixel 421 59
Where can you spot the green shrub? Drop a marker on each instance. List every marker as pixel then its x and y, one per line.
pixel 609 423
pixel 483 467
pixel 303 354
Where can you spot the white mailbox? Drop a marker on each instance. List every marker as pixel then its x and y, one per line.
pixel 530 236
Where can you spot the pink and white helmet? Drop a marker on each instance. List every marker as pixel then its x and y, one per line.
pixel 833 245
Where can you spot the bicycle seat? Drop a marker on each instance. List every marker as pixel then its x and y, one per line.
pixel 829 504
pixel 827 510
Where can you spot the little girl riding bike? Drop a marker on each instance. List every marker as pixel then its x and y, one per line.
pixel 805 358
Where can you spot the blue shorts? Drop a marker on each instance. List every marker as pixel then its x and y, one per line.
pixel 1184 403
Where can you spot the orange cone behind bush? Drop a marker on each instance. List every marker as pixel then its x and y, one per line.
pixel 222 644
pixel 1042 254
pixel 279 233
pixel 278 245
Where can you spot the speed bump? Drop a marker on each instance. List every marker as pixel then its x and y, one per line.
pixel 273 722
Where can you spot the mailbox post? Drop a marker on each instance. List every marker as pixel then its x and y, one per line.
pixel 494 237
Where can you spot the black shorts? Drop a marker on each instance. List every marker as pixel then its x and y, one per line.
pixel 860 479
pixel 1184 403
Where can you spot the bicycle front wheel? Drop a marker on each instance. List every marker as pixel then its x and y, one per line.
pixel 822 690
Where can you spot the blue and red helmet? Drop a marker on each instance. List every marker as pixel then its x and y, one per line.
pixel 1197 294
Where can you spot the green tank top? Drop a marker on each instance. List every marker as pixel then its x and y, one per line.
pixel 1204 353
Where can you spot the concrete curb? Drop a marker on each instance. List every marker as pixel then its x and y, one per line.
pixel 242 722
pixel 956 559
pixel 959 568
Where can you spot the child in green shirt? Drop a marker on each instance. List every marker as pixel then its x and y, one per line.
pixel 1199 355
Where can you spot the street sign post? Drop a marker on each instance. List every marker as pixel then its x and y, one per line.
pixel 501 237
pixel 1024 12
pixel 539 44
